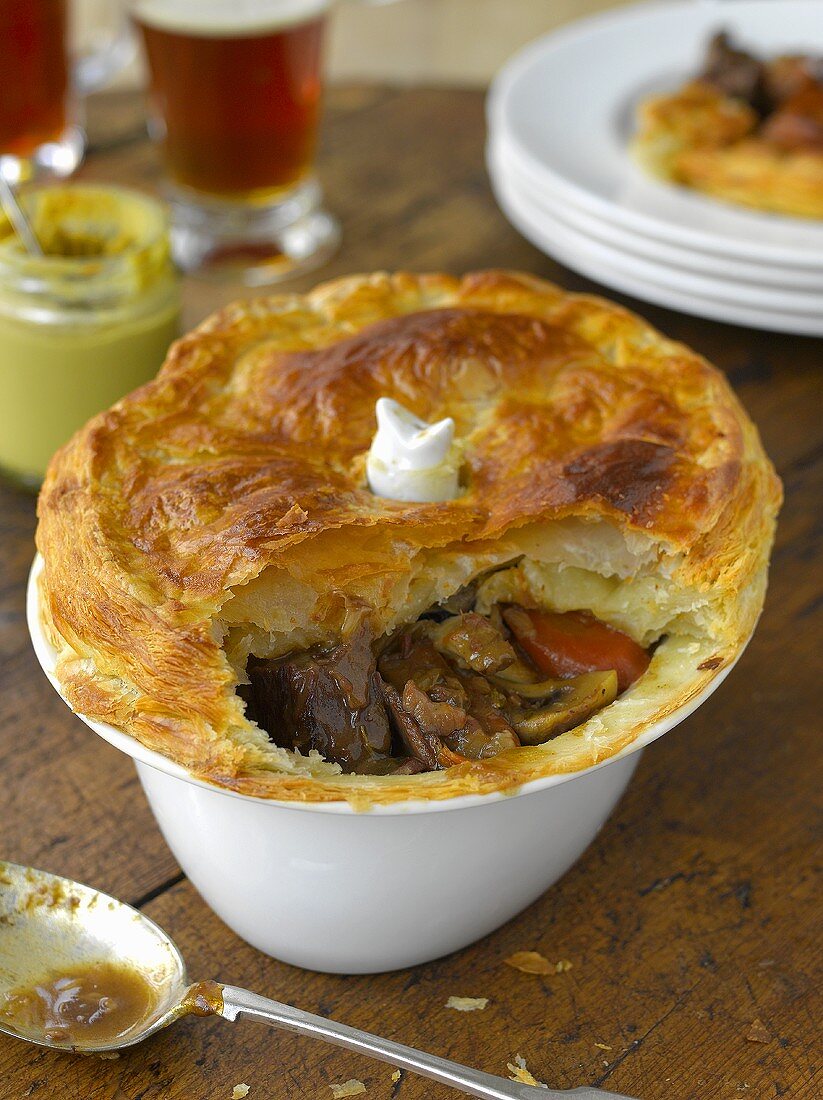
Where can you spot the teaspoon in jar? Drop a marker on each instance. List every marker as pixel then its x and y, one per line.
pixel 14 212
pixel 81 971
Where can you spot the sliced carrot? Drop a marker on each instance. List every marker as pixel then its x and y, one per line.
pixel 572 642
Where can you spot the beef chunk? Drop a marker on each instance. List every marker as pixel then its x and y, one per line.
pixel 785 76
pixel 487 730
pixel 409 766
pixel 441 718
pixel 736 73
pixel 418 742
pixel 797 125
pixel 473 642
pixel 331 702
pixel 413 657
pixel 442 714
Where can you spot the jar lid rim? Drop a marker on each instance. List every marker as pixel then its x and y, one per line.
pixel 140 255
pixel 151 212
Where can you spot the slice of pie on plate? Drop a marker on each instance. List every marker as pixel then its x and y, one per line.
pixel 746 130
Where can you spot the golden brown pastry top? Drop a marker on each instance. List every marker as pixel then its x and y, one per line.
pixel 247 454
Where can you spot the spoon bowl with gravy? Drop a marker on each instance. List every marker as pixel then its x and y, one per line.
pixel 81 971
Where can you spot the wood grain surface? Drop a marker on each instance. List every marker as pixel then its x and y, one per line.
pixel 695 913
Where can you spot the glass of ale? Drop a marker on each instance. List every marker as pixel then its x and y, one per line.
pixel 235 95
pixel 42 88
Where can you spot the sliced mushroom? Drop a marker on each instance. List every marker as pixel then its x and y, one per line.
pixel 515 677
pixel 439 718
pixel 474 743
pixel 543 689
pixel 583 697
pixel 518 672
pixel 460 601
pixel 476 732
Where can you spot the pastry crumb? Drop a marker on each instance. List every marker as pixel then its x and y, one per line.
pixel 758 1033
pixel 467 1004
pixel 519 1071
pixel 396 1076
pixel 239 1091
pixel 348 1088
pixel 562 966
pixel 109 1055
pixel 602 1046
pixel 530 962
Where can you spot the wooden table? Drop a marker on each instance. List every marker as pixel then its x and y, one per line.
pixel 693 913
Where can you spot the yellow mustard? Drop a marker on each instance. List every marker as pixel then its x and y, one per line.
pixel 84 324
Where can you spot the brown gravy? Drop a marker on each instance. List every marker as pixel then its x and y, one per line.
pixel 85 1006
pixel 203 999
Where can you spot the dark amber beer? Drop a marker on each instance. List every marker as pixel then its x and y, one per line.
pixel 35 74
pixel 235 87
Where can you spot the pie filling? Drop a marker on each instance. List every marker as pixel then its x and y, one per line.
pixel 455 685
pixel 786 93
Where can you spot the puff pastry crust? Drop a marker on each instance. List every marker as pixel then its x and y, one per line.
pixel 222 509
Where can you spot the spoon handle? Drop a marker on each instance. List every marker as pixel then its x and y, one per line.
pixel 14 212
pixel 237 1002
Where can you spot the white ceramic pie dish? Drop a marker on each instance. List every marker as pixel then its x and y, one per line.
pixel 327 888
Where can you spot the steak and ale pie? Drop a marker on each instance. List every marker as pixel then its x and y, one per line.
pixel 558 536
pixel 745 129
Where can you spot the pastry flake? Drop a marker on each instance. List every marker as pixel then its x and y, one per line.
pixel 348 1088
pixel 530 962
pixel 467 1004
pixel 519 1071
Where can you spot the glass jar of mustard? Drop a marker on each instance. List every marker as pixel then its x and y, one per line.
pixel 83 324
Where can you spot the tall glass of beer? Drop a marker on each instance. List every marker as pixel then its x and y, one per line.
pixel 42 85
pixel 235 90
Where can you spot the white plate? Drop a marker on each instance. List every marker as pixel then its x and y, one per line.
pixel 583 255
pixel 502 159
pixel 653 269
pixel 609 267
pixel 566 103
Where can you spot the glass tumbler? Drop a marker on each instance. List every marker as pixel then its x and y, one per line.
pixel 235 95
pixel 43 86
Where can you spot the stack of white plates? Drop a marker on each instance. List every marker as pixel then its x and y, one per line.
pixel 560 118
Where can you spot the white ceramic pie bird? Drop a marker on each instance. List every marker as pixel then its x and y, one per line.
pixel 411 460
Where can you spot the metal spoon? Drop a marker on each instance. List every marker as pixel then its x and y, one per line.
pixel 51 926
pixel 17 217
